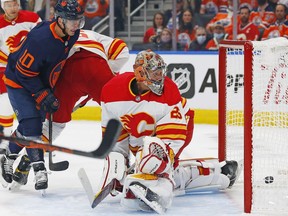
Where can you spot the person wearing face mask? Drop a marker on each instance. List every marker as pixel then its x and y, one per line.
pixel 201 40
pixel 164 42
pixel 219 34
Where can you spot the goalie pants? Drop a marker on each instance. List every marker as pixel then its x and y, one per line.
pixel 84 73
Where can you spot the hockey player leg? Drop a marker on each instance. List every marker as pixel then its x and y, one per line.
pixel 114 172
pixel 7 160
pixel 232 169
pixel 6 116
pixel 151 187
pixel 194 175
pixel 57 130
pixel 20 175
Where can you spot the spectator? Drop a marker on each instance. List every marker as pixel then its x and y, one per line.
pixel 155 30
pixel 95 10
pixel 213 6
pixel 246 30
pixel 42 12
pixel 262 16
pixel 186 31
pixel 251 4
pixel 201 40
pixel 219 34
pixel 33 5
pixel 168 14
pixel 280 27
pixel 226 18
pixel 164 42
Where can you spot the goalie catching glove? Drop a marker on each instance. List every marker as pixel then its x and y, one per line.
pixel 46 100
pixel 155 157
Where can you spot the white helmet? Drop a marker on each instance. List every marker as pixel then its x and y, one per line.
pixel 150 69
pixel 2 2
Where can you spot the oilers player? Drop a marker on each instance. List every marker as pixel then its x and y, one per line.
pixel 93 61
pixel 154 129
pixel 31 73
pixel 14 26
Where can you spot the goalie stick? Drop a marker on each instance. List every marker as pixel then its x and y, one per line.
pixel 58 166
pixel 95 199
pixel 110 137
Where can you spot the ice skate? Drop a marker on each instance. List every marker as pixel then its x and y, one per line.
pixel 6 170
pixel 40 176
pixel 151 201
pixel 20 176
pixel 230 169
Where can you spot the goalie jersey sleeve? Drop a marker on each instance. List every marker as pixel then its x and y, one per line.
pixel 143 115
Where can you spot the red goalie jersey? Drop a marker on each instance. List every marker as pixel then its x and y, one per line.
pixel 146 114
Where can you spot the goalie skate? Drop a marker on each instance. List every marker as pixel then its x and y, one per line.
pixel 151 199
pixel 232 170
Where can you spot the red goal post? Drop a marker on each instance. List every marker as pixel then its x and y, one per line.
pixel 253 118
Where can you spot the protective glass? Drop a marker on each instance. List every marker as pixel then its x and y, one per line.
pixel 79 23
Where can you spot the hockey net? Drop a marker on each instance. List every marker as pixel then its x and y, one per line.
pixel 253 119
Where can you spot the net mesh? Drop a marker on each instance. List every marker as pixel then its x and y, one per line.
pixel 269 121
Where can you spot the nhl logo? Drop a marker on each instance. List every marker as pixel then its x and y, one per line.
pixel 183 76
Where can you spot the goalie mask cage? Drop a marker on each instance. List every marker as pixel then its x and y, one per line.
pixel 253 119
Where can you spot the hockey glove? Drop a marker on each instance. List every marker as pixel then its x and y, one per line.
pixel 155 157
pixel 46 101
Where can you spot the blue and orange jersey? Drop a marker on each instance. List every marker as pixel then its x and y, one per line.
pixel 38 60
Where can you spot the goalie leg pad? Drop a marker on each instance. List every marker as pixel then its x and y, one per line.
pixel 154 191
pixel 114 168
pixel 190 175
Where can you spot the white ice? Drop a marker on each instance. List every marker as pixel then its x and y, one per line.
pixel 65 195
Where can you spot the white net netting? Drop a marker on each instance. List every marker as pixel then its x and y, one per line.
pixel 269 122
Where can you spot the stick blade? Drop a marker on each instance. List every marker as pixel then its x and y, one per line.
pixel 103 193
pixel 58 166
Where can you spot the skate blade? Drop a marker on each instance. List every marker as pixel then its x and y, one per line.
pixel 139 193
pixel 15 186
pixel 2 180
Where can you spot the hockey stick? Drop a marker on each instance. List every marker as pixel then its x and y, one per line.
pixel 110 137
pixel 58 166
pixel 62 165
pixel 81 104
pixel 94 200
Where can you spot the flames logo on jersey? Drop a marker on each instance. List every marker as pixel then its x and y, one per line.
pixel 140 124
pixel 13 41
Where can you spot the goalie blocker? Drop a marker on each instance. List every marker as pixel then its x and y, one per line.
pixel 154 182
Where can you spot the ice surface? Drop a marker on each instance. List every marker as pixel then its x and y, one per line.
pixel 65 195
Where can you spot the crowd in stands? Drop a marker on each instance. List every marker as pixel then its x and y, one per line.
pixel 200 24
pixel 256 20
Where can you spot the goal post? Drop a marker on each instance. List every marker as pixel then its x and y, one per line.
pixel 253 119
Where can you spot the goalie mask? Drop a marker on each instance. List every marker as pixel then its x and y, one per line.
pixel 150 69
